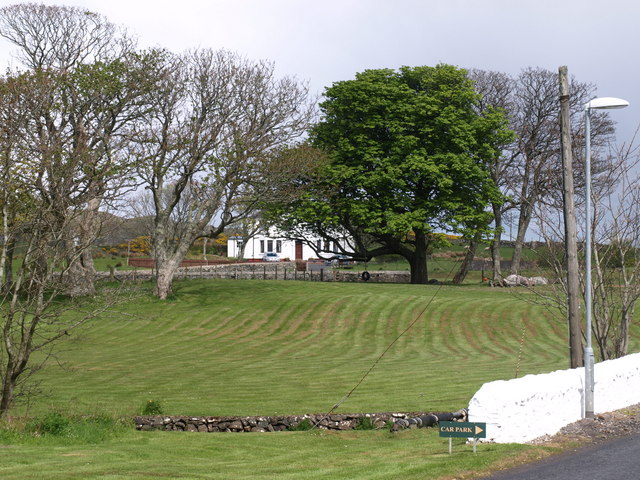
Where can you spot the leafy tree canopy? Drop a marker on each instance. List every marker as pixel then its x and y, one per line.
pixel 408 152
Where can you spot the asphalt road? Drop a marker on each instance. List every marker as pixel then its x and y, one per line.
pixel 615 460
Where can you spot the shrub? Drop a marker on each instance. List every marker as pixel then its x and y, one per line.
pixel 302 426
pixel 54 424
pixel 152 407
pixel 364 423
pixel 139 246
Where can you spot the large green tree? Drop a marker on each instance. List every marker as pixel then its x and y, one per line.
pixel 409 152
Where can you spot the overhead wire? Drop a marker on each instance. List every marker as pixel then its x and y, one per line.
pixel 384 352
pixel 409 327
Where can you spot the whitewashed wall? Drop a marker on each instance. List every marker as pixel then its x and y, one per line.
pixel 257 245
pixel 523 409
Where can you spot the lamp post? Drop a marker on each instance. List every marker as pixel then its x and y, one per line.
pixel 603 103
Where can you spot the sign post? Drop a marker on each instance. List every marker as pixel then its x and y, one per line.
pixel 473 430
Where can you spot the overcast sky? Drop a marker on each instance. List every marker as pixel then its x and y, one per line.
pixel 323 41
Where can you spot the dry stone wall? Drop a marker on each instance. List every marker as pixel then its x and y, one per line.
pixel 268 423
pixel 269 271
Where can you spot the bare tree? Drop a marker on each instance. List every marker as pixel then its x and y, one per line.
pixel 526 173
pixel 34 318
pixel 60 160
pixel 93 82
pixel 497 91
pixel 616 253
pixel 43 199
pixel 212 139
pixel 60 38
pixel 616 279
pixel 12 115
pixel 537 156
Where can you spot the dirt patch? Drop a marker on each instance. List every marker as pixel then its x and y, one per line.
pixel 601 428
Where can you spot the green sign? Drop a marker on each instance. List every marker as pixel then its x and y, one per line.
pixel 463 429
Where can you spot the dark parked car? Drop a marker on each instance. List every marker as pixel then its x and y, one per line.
pixel 340 260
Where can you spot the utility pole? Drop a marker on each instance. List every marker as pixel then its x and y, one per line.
pixel 570 235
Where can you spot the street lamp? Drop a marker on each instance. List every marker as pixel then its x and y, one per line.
pixel 603 103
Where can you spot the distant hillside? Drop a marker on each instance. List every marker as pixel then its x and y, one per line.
pixel 115 230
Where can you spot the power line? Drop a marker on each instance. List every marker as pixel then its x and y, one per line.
pixel 366 374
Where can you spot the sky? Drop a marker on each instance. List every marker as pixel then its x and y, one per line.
pixel 324 41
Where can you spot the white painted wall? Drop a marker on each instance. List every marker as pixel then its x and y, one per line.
pixel 523 409
pixel 253 248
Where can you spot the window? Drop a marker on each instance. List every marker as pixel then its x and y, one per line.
pixel 278 246
pixel 261 246
pixel 269 245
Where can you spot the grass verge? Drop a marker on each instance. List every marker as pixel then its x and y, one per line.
pixel 411 454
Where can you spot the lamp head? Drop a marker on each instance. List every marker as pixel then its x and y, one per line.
pixel 606 103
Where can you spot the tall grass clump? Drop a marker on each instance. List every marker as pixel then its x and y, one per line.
pixel 59 428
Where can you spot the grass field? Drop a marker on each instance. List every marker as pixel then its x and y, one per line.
pixel 411 455
pixel 266 348
pixel 224 347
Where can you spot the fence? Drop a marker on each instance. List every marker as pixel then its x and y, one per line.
pixel 269 271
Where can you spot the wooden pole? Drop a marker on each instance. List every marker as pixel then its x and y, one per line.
pixel 570 238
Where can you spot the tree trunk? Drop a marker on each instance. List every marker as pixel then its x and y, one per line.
pixel 495 245
pixel 241 248
pixel 168 253
pixel 622 342
pixel 82 271
pixel 8 263
pixel 164 281
pixel 5 236
pixel 418 261
pixel 82 274
pixel 166 267
pixel 467 261
pixel 523 225
pixel 6 397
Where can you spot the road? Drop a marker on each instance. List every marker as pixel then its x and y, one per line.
pixel 615 460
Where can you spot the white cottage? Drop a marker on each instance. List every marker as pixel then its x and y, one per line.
pixel 287 249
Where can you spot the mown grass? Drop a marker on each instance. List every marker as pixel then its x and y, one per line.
pixel 223 347
pixel 266 348
pixel 412 454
